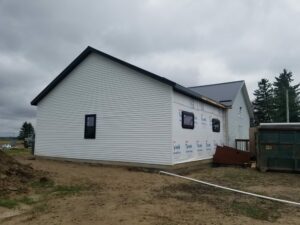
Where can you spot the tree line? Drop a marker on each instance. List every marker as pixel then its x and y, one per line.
pixel 271 100
pixel 26 134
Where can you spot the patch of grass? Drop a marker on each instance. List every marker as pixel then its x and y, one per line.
pixel 191 192
pixel 13 203
pixel 47 187
pixel 237 177
pixel 224 201
pixel 245 177
pixel 47 183
pixel 19 152
pixel 8 203
pixel 27 200
pixel 62 190
pixel 254 211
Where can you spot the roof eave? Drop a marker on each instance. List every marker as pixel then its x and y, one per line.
pixel 248 102
pixel 80 58
pixel 61 76
pixel 89 50
pixel 197 96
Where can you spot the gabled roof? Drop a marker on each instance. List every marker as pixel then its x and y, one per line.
pixel 89 50
pixel 225 93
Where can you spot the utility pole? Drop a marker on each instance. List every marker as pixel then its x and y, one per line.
pixel 287 106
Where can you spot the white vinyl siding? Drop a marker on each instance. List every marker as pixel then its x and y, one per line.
pixel 133 111
pixel 238 120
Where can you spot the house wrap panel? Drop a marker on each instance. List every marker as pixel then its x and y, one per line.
pixel 198 143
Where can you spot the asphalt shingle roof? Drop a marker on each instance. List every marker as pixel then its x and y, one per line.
pixel 224 93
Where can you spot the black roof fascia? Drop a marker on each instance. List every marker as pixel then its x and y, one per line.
pixel 138 69
pixel 89 50
pixel 61 76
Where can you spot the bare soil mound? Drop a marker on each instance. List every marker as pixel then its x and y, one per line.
pixel 13 175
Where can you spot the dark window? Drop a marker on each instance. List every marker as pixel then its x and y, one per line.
pixel 187 120
pixel 216 125
pixel 90 126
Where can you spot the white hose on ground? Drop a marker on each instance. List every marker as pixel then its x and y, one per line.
pixel 231 189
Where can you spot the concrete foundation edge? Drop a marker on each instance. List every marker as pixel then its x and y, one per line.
pixel 180 167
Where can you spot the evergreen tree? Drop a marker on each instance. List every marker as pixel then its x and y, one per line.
pixel 263 103
pixel 281 85
pixel 26 131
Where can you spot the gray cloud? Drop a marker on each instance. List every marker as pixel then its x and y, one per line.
pixel 191 42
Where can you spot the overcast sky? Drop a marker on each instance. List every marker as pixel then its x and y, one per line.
pixel 190 42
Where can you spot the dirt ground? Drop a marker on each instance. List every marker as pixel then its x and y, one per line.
pixel 87 194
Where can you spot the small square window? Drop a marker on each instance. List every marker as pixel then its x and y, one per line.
pixel 90 126
pixel 187 120
pixel 216 125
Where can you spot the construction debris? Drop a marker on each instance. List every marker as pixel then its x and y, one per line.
pixel 230 156
pixel 13 175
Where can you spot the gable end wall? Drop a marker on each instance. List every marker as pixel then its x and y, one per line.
pixel 238 121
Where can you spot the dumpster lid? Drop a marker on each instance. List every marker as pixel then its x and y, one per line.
pixel 279 126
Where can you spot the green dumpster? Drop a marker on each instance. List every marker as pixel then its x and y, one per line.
pixel 278 146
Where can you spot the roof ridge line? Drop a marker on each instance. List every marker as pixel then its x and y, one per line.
pixel 217 84
pixel 88 50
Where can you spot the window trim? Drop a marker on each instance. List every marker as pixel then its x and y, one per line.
pixel 183 113
pixel 86 134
